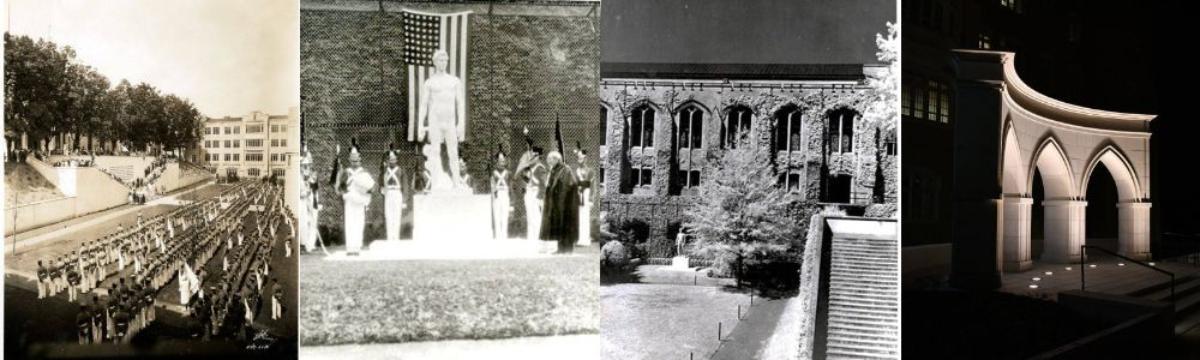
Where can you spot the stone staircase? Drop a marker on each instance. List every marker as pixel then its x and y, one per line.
pixel 864 308
pixel 1187 300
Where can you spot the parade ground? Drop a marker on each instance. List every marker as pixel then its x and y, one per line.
pixel 34 325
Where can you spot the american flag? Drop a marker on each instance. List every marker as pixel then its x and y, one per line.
pixel 424 34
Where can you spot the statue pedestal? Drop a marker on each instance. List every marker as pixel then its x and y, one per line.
pixel 451 217
pixel 680 262
pixel 451 225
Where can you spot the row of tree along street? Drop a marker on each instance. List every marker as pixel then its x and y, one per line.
pixel 50 96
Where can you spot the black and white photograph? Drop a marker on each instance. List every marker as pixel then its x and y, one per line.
pixel 151 172
pixel 748 180
pixel 450 185
pixel 1048 199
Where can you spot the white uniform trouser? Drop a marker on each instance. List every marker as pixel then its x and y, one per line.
pixel 307 239
pixel 585 225
pixel 533 214
pixel 355 219
pixel 393 205
pixel 500 205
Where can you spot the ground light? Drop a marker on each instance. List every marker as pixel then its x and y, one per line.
pixel 1033 286
pixel 1048 273
pixel 1037 279
pixel 1092 266
pixel 1120 264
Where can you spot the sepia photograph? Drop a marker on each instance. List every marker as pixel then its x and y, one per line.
pixel 450 185
pixel 151 169
pixel 1046 198
pixel 748 180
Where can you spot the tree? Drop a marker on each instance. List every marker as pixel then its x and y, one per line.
pixel 744 215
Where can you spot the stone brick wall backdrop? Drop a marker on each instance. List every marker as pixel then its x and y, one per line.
pixel 523 71
pixel 664 212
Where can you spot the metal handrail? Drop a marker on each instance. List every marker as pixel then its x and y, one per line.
pixel 1083 267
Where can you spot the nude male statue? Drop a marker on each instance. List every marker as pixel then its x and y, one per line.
pixel 440 109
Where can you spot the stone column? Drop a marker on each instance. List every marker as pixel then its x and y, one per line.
pixel 1065 228
pixel 977 217
pixel 1133 229
pixel 1017 212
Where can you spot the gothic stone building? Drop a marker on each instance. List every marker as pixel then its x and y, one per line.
pixel 663 121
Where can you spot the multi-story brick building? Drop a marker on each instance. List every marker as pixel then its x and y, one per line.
pixel 251 146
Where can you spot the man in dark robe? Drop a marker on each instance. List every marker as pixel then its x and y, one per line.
pixel 560 210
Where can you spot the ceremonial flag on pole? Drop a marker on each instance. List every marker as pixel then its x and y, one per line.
pixel 424 34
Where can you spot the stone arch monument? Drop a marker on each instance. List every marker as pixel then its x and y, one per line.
pixel 1006 133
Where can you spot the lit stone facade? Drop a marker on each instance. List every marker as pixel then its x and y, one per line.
pixel 663 131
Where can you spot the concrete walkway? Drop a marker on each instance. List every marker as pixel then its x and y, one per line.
pixel 70 225
pixel 582 347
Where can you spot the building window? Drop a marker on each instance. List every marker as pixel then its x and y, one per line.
pixel 275 157
pixel 691 127
pixel 231 172
pixel 927 100
pixel 641 125
pixel 254 129
pixel 737 127
pixel 1014 5
pixel 788 125
pixel 254 143
pixel 603 126
pixel 237 129
pixel 790 180
pixel 841 131
pixel 277 172
pixel 253 172
pixel 985 42
pixel 689 179
pixel 274 128
pixel 642 177
pixel 839 189
pixel 228 157
pixel 254 157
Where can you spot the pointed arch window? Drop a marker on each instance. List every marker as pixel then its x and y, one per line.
pixel 737 126
pixel 641 127
pixel 788 126
pixel 691 127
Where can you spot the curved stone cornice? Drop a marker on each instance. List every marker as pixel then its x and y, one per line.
pixel 1037 103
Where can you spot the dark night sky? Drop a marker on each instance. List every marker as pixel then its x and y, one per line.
pixel 749 32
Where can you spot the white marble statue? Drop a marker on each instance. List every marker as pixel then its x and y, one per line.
pixel 355 184
pixel 393 198
pixel 501 203
pixel 441 108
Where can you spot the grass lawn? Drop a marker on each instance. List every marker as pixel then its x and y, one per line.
pixel 656 321
pixel 425 300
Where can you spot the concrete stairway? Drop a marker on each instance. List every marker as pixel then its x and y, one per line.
pixel 1187 300
pixel 864 309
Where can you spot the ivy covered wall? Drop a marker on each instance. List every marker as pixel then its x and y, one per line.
pixel 662 209
pixel 524 71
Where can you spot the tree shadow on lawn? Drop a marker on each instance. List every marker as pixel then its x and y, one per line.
pixel 613 275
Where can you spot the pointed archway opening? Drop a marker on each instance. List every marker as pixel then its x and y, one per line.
pixel 1037 218
pixel 1102 219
